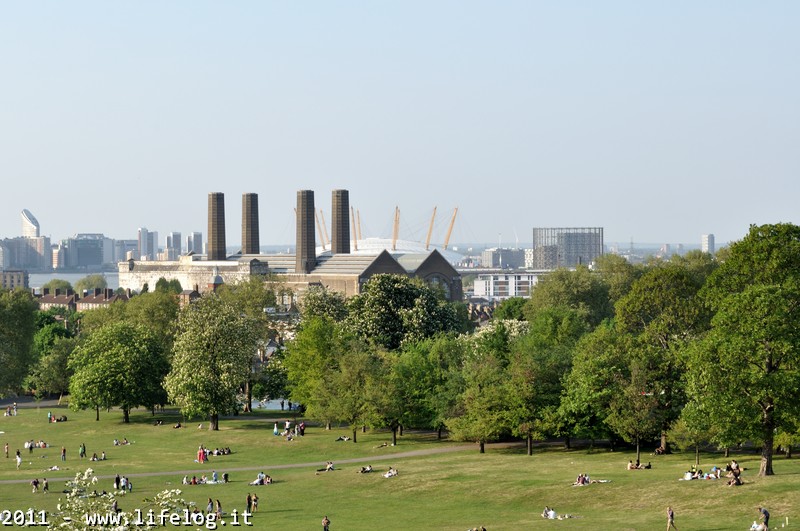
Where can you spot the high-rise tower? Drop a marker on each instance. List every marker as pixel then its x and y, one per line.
pixel 30 226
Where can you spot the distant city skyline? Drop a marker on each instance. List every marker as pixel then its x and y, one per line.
pixel 657 122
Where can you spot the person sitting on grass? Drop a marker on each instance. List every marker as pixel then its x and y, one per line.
pixel 365 469
pixel 391 473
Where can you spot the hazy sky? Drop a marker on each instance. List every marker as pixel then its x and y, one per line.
pixel 659 121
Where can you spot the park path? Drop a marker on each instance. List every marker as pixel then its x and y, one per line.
pixel 402 455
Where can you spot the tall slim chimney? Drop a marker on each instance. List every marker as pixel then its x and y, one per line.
pixel 306 254
pixel 216 226
pixel 250 243
pixel 340 239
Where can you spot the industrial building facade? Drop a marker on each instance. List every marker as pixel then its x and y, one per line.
pixel 336 269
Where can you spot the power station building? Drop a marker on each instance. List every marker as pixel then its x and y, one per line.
pixel 338 268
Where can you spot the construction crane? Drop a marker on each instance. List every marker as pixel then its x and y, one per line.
pixel 450 228
pixel 430 230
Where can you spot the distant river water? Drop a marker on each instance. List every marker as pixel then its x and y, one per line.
pixel 37 280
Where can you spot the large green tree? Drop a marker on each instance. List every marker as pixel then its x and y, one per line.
pixel 319 301
pixel 746 371
pixel 90 283
pixel 761 270
pixel 18 311
pixel 214 347
pixel 392 309
pixel 482 412
pixel 118 365
pixel 580 290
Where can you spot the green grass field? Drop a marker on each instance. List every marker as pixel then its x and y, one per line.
pixel 502 489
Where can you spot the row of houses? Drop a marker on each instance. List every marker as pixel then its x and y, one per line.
pixel 88 300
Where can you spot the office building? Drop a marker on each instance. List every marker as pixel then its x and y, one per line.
pixel 707 243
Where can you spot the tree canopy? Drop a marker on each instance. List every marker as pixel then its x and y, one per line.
pixel 213 351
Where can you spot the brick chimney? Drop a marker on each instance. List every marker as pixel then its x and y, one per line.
pixel 340 206
pixel 216 226
pixel 250 243
pixel 306 253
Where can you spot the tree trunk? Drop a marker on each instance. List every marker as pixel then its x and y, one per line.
pixel 768 433
pixel 529 444
pixel 354 435
pixel 363 429
pixel 213 422
pixel 153 411
pixel 638 451
pixel 567 443
pixel 482 447
pixel 60 396
pixel 328 425
pixel 97 413
pixel 126 415
pixel 394 435
pixel 664 441
pixel 697 454
pixel 248 392
pixel 401 430
pixel 727 452
pixel 439 433
pixel 788 451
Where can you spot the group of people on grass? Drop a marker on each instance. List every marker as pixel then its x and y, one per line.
pixel 262 479
pixel 638 466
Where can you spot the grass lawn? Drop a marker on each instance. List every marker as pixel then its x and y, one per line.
pixel 503 489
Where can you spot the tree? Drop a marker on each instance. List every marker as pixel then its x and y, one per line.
pixel 309 357
pixel 762 267
pixel 354 386
pixel 118 365
pixel 393 309
pixel 511 308
pixel 57 284
pixel 51 373
pixel 752 349
pixel 18 312
pixel 169 286
pixel 538 365
pixel 213 349
pixel 481 415
pixel 252 296
pixel 579 290
pixel 663 310
pixel 319 301
pixel 90 283
pixel 593 381
pixel 634 413
pixel 617 273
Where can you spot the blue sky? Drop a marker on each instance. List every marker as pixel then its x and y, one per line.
pixel 659 121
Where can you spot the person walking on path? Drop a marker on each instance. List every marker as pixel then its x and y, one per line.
pixel 671 519
pixel 45 486
pixel 326 523
pixel 6 450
